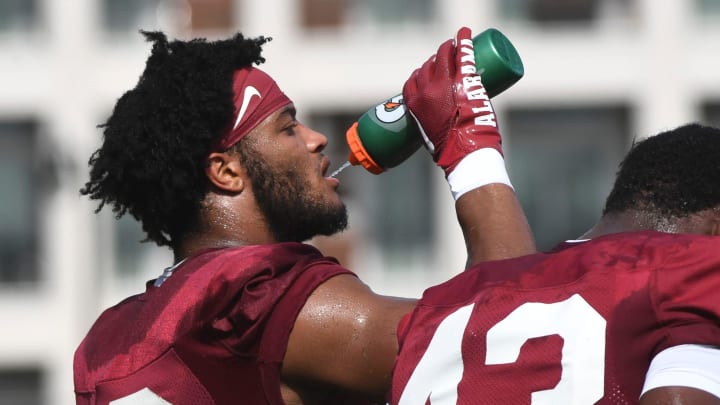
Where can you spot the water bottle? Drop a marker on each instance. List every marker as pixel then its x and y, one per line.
pixel 385 135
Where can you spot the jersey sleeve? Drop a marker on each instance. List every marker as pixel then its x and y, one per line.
pixel 685 293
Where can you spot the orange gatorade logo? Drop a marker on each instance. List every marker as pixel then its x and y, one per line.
pixel 391 110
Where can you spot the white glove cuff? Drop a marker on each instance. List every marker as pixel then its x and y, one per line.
pixel 479 168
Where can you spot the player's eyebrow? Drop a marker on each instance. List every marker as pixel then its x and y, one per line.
pixel 289 109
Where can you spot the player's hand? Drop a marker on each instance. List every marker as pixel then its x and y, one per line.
pixel 446 98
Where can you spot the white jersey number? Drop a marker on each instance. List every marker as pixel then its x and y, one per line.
pixel 440 370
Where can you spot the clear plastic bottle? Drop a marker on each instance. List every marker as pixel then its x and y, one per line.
pixel 386 135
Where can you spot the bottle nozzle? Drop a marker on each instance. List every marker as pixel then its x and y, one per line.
pixel 358 154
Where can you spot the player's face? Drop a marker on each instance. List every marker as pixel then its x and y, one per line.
pixel 288 175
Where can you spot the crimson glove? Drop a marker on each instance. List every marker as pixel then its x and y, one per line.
pixel 446 98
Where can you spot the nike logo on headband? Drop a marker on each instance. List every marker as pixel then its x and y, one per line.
pixel 248 94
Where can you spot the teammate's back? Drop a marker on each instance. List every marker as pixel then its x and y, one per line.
pixel 579 325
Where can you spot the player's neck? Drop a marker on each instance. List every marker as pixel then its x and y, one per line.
pixel 626 221
pixel 225 225
pixel 703 222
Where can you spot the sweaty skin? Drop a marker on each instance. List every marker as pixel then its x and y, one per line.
pixel 345 337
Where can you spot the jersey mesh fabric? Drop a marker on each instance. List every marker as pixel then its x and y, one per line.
pixel 610 304
pixel 215 332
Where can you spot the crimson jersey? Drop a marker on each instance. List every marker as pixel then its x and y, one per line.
pixel 215 332
pixel 578 325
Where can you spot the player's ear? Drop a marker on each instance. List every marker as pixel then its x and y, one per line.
pixel 225 171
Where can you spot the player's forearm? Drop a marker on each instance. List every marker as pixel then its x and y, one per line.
pixel 493 224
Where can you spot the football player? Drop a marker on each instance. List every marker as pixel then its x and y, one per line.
pixel 628 313
pixel 208 154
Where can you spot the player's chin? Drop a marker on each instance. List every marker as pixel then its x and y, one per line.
pixel 334 202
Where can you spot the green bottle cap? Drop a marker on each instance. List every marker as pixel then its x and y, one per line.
pixel 497 61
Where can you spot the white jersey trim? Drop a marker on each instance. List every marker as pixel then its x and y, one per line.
pixel 167 272
pixel 694 366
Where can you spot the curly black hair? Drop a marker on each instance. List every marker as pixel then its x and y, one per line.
pixel 672 174
pixel 157 139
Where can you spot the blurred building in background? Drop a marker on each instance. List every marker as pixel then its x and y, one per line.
pixel 599 73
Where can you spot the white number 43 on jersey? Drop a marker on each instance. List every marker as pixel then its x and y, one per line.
pixel 440 370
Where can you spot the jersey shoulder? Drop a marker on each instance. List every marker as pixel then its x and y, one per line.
pixel 227 298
